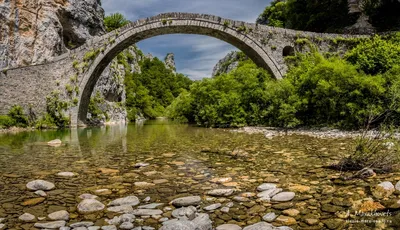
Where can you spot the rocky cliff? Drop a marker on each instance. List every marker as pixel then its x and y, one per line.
pixel 228 63
pixel 34 31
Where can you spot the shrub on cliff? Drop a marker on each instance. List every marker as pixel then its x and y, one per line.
pixel 115 21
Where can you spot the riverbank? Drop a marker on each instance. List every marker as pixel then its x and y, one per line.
pixel 325 133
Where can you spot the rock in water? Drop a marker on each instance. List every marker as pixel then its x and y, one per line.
pixel 269 217
pixel 51 225
pixel 186 201
pixel 129 200
pixel 27 217
pixel 66 174
pixel 40 185
pixel 383 190
pixel 90 205
pixel 59 215
pixel 229 227
pixel 220 192
pixel 283 196
pixel 260 226
pixel 179 225
pixel 266 186
pixel 212 207
pixel 56 142
pixel 147 212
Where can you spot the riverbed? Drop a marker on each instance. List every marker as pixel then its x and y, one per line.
pixel 159 161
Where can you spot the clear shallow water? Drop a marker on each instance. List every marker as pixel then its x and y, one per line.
pixel 187 157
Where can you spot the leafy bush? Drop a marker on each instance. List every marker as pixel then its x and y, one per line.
pixel 115 21
pixel 333 92
pixel 54 116
pixel 15 117
pixel 377 54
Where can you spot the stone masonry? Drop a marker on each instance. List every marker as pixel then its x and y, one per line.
pixel 29 86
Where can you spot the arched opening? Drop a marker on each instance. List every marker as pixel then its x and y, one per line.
pixel 288 51
pixel 144 29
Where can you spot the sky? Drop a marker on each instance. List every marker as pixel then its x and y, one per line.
pixel 195 55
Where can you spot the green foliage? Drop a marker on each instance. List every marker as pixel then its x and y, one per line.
pixel 318 90
pixel 242 28
pixel 164 21
pixel 91 55
pixel 54 117
pixel 377 54
pixel 94 108
pixel 69 89
pixel 75 64
pixel 152 90
pixel 274 15
pixel 15 117
pixel 115 21
pixel 226 23
pixel 309 15
pixel 332 92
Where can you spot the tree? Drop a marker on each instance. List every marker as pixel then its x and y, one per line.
pixel 274 15
pixel 115 21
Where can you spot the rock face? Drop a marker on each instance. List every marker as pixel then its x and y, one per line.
pixel 228 63
pixel 170 62
pixel 32 31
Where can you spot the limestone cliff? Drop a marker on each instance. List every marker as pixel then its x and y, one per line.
pixel 228 63
pixel 34 31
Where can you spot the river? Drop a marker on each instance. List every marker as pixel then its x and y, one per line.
pixel 163 160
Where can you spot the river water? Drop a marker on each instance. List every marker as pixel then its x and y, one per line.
pixel 182 160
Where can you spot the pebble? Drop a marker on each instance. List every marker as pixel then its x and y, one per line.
pixel 270 217
pixel 40 185
pixel 88 196
pixel 27 217
pixel 147 212
pixel 109 227
pixel 51 225
pixel 260 226
pixel 269 193
pixel 283 196
pixel 397 186
pixel 220 192
pixel 186 201
pixel 82 224
pixel 129 200
pixel 150 206
pixel 229 227
pixel 212 207
pixel 225 209
pixel 126 225
pixel 188 212
pixel 40 193
pixel 266 186
pixel 66 174
pixel 286 220
pixel 121 209
pixel 59 215
pixel 90 205
pixel 383 190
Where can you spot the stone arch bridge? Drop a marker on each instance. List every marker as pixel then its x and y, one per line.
pixel 73 75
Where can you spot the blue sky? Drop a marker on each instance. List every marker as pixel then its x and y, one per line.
pixel 195 55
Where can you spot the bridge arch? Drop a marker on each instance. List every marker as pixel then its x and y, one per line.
pixel 238 34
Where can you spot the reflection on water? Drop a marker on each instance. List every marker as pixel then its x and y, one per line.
pixel 185 156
